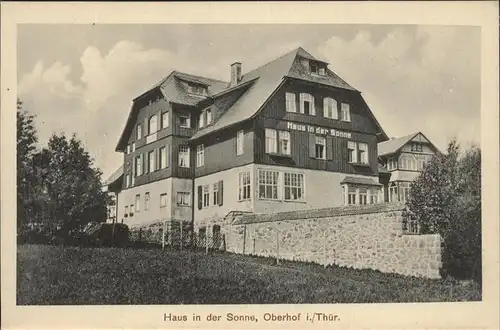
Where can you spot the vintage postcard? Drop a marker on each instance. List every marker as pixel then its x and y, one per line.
pixel 250 165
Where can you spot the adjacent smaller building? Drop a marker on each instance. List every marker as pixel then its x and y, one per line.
pixel 401 160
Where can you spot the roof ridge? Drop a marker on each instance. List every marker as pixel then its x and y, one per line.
pixel 274 60
pixel 198 76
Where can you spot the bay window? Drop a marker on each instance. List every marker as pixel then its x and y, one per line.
pixel 268 184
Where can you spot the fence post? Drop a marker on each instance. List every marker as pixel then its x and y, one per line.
pixel 163 236
pixel 324 248
pixel 181 233
pixel 277 244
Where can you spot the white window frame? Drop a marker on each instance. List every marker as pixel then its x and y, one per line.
pixel 269 179
pixel 271 140
pixel 330 108
pixel 138 165
pixel 153 124
pixel 165 119
pixel 200 155
pixel 244 186
pixel 126 210
pixel 284 136
pixel 147 201
pixel 205 196
pixel 345 111
pixel 240 142
pixel 184 156
pixel 293 182
pixel 138 132
pixel 127 180
pixel 137 203
pixel 209 116
pixel 352 195
pixel 152 161
pixel 128 149
pixel 162 154
pixel 320 140
pixel 306 97
pixel 393 192
pixel 363 196
pixel 215 194
pixel 183 198
pixel 163 200
pixel 290 102
pixel 188 121
pixel 362 150
pixel 201 121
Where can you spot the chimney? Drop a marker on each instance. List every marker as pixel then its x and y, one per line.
pixel 235 74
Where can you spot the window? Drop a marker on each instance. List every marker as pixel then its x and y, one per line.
pixel 201 120
pixel 345 111
pixel 404 190
pixel 215 194
pixel 127 180
pixel 271 142
pixel 330 108
pixel 138 132
pixel 184 156
pixel 185 121
pixel 153 125
pixel 320 147
pixel 133 146
pixel 209 116
pixel 163 200
pixel 126 210
pixel 268 184
pixel 137 203
pixel 128 149
pixel 290 102
pixel 244 186
pixel 351 195
pixel 197 89
pixel 314 68
pixel 363 196
pixel 307 104
pixel 146 201
pixel 183 198
pixel 393 192
pixel 294 186
pixel 284 142
pixel 163 158
pixel 374 198
pixel 392 164
pixel 131 210
pixel 363 153
pixel 165 119
pixel 322 71
pixel 200 155
pixel 151 161
pixel 206 196
pixel 416 147
pixel 239 142
pixel 138 165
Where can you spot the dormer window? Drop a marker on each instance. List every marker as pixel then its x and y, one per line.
pixel 317 68
pixel 197 89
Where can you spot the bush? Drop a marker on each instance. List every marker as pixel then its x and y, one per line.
pixel 106 234
pixel 446 199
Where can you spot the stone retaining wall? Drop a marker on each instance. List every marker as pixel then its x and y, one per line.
pixel 368 236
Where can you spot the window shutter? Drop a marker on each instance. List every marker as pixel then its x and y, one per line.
pixel 221 192
pixel 200 198
pixel 329 148
pixel 312 145
pixel 145 128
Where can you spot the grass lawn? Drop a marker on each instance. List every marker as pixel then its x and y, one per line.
pixel 48 275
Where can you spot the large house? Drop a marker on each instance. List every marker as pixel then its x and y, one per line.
pixel 289 135
pixel 403 159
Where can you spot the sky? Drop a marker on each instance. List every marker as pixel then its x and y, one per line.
pixel 81 79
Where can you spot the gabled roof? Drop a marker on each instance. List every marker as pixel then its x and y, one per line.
pixel 271 76
pixel 174 91
pixel 394 145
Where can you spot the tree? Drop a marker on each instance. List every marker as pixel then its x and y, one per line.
pixel 26 146
pixel 73 185
pixel 446 199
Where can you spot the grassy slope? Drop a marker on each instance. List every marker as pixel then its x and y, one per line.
pixel 60 276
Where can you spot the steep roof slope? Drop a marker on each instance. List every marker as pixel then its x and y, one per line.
pixel 270 76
